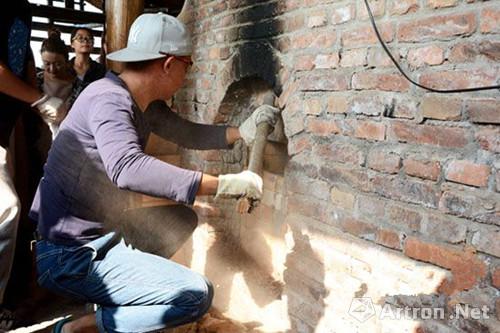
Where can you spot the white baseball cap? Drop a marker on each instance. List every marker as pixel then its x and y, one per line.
pixel 151 35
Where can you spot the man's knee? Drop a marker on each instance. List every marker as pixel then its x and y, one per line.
pixel 202 293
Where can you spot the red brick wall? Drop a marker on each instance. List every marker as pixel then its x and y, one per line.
pixel 374 160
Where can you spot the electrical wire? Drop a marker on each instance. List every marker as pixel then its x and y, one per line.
pixel 398 66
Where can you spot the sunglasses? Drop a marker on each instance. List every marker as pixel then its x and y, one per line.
pixel 187 61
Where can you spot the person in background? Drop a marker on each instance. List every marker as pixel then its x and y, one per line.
pixel 86 69
pixel 95 163
pixel 17 91
pixel 57 78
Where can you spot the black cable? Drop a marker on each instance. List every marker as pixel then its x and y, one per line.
pixel 398 66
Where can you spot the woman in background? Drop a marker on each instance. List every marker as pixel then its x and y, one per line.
pixel 57 78
pixel 86 69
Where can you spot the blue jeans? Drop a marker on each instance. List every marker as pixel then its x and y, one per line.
pixel 135 291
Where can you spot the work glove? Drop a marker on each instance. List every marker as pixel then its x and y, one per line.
pixel 264 113
pixel 49 108
pixel 246 184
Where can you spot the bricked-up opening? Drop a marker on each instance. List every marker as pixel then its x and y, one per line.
pixel 242 98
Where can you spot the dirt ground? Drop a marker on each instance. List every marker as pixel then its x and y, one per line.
pixel 40 314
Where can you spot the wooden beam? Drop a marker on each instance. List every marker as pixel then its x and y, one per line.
pixel 95 3
pixel 63 28
pixel 119 17
pixel 66 15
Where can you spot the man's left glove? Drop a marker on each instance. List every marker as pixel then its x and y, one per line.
pixel 245 184
pixel 264 113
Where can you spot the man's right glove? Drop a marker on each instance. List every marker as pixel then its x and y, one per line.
pixel 264 113
pixel 49 108
pixel 244 184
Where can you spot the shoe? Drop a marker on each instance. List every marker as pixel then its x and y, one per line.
pixel 58 325
pixel 7 320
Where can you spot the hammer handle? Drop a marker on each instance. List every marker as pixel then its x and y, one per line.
pixel 256 161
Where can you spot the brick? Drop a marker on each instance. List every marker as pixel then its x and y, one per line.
pixel 489 20
pixel 312 106
pixel 388 238
pixel 384 161
pixel 422 169
pixel 219 53
pixel 426 134
pixel 353 58
pixel 380 81
pixel 371 207
pixel 323 61
pixel 467 269
pixel 471 203
pixel 366 36
pixel 317 20
pixel 311 40
pixel 325 82
pixel 294 23
pixel 480 297
pixel 298 183
pixel 442 108
pixel 377 7
pixel 471 51
pixel 405 108
pixel 468 173
pixel 441 3
pixel 289 91
pixel 407 190
pixel 344 175
pixel 378 58
pixel 358 228
pixel 402 7
pixel 437 27
pixel 369 130
pixel 301 168
pixel 304 205
pixel 403 217
pixel 304 63
pixel 486 240
pixel 459 79
pixel 369 104
pixel 297 144
pixel 322 127
pixel 337 104
pixel 428 55
pixel 484 110
pixel 342 14
pixel 495 277
pixel 342 152
pixel 445 228
pixel 342 199
pixel 293 119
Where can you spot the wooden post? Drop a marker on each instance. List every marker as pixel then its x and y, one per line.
pixel 119 17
